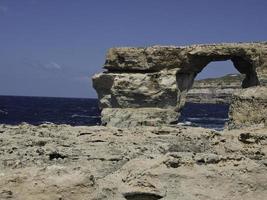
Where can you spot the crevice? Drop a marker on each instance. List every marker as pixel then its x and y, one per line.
pixel 142 196
pixel 56 155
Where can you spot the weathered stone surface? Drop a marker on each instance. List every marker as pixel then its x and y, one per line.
pixel 105 163
pixel 160 76
pixel 132 117
pixel 157 58
pixel 143 59
pixel 135 90
pixel 248 107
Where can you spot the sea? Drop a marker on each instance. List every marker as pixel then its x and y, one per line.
pixel 15 110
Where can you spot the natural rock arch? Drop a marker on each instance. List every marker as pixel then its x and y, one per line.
pixel 147 86
pixel 186 76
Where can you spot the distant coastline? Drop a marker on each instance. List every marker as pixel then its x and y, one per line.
pixel 215 90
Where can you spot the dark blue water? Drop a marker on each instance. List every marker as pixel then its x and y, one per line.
pixel 74 111
pixel 37 110
pixel 205 115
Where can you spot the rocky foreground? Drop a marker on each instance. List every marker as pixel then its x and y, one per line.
pixel 60 162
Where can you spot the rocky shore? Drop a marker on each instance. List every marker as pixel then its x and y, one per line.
pixel 60 162
pixel 139 155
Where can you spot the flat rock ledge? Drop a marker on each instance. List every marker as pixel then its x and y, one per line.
pixel 156 79
pixel 60 162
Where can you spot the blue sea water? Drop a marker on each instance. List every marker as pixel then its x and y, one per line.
pixel 74 111
pixel 38 110
pixel 212 116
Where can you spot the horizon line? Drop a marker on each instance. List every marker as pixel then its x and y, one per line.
pixel 36 96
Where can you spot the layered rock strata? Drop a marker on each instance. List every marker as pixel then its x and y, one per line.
pixel 157 79
pixel 215 90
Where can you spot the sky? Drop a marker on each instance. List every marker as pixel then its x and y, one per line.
pixel 53 47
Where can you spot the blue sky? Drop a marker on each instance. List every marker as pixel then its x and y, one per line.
pixel 53 47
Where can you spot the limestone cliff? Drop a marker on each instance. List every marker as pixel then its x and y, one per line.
pixel 148 86
pixel 215 90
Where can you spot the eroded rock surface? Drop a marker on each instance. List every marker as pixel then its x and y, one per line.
pixel 53 162
pixel 160 76
pixel 248 107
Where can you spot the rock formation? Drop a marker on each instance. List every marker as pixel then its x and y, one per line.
pixel 148 86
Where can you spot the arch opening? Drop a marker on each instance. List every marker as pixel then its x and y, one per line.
pixel 213 94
